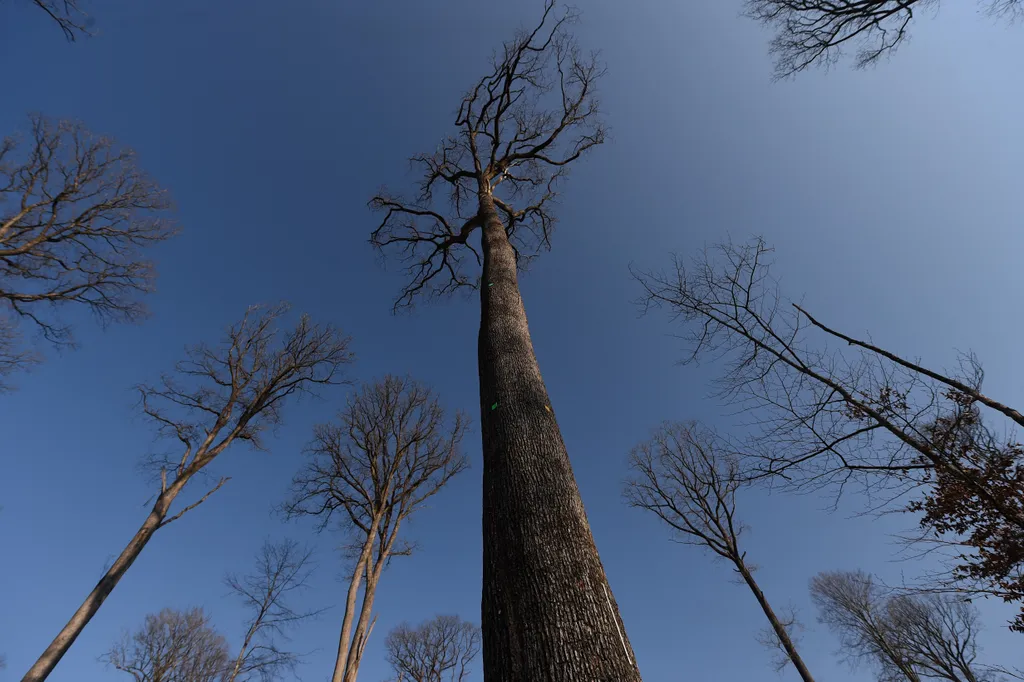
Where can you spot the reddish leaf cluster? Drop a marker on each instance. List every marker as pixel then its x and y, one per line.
pixel 994 543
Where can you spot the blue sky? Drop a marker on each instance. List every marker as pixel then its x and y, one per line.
pixel 891 195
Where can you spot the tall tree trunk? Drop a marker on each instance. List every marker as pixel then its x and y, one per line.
pixel 548 614
pixel 41 669
pixel 780 630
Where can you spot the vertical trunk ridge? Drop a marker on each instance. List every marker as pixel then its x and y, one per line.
pixel 548 614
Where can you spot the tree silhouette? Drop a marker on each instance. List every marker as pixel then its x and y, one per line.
pixel 818 32
pixel 548 613
pixel 217 396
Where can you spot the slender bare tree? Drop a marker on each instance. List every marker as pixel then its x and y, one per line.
pixel 172 646
pixel 76 215
pixel 851 604
pixel 438 650
pixel 548 612
pixel 282 569
pixel 817 32
pixel 908 637
pixel 857 412
pixel 218 395
pixel 390 450
pixel 686 475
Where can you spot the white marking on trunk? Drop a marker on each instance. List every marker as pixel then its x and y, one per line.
pixel 617 628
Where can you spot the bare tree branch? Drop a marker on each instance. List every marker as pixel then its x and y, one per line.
pixel 519 128
pixel 388 452
pixel 76 215
pixel 68 14
pixel 829 416
pixel 282 569
pixel 438 650
pixel 818 32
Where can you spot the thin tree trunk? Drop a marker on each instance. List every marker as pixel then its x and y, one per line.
pixel 362 632
pixel 236 668
pixel 67 636
pixel 341 661
pixel 548 614
pixel 359 636
pixel 780 631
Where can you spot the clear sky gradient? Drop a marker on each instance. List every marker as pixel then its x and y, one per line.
pixel 892 196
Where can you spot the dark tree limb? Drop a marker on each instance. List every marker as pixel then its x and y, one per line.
pixel 828 415
pixel 818 32
pixel 68 14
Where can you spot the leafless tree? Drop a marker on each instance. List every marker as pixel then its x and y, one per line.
pixel 75 216
pixel 818 31
pixel 686 475
pixel 547 606
pixel 282 569
pixel 831 416
pixel 908 637
pixel 389 451
pixel 218 395
pixel 172 646
pixel 438 650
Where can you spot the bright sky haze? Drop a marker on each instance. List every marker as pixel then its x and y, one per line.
pixel 892 197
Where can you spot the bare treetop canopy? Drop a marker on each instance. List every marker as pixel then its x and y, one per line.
pixel 904 636
pixel 76 215
pixel 235 390
pixel 388 451
pixel 282 569
pixel 438 650
pixel 519 128
pixel 172 646
pixel 391 449
pixel 686 475
pixel 818 32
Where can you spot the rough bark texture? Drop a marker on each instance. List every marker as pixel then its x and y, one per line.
pixel 548 614
pixel 70 632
